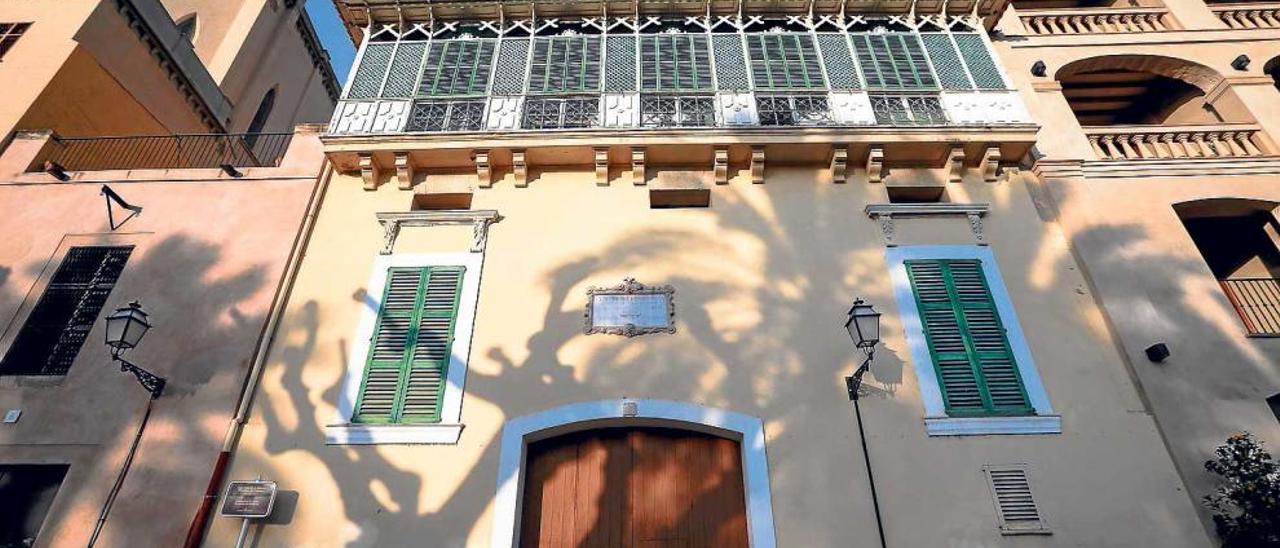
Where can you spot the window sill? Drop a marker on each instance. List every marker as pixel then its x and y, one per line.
pixel 392 434
pixel 984 426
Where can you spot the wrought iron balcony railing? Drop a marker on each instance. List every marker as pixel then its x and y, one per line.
pixel 1257 300
pixel 166 151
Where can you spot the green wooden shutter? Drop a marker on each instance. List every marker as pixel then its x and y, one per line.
pixel 409 351
pixel 975 365
pixel 367 82
pixel 784 61
pixel 457 67
pixel 675 62
pixel 565 64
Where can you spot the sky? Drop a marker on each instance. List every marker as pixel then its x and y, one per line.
pixel 333 36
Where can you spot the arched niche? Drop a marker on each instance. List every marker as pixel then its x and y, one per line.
pixel 1156 90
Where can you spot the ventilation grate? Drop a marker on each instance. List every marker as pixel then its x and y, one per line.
pixel 1014 500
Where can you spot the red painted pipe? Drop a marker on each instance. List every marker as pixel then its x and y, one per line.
pixel 201 521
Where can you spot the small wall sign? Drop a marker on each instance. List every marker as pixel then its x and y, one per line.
pixel 630 309
pixel 249 499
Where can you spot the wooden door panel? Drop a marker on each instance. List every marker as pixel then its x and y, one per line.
pixel 634 488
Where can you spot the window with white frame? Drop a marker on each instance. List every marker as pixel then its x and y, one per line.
pixel 412 348
pixel 976 372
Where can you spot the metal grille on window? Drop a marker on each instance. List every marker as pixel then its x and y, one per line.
pixel 1015 502
pixel 784 61
pixel 793 110
pixel 951 72
pixel 620 63
pixel 675 62
pixel 446 116
pixel 403 75
pixel 9 34
pixel 677 111
pixel 57 327
pixel 367 81
pixel 908 110
pixel 978 58
pixel 513 59
pixel 731 63
pixel 841 71
pixel 457 67
pixel 553 113
pixel 565 64
pixel 892 61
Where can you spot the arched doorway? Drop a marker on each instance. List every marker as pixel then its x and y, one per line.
pixel 634 487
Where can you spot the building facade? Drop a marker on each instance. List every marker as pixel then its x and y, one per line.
pixel 581 274
pixel 148 152
pixel 1160 169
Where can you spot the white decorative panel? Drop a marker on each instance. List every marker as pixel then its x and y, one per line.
pixel 852 107
pixel 1002 107
pixel 621 109
pixel 352 117
pixel 504 112
pixel 390 117
pixel 737 108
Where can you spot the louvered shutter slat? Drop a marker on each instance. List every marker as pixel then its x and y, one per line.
pixel 391 340
pixel 431 352
pixel 967 342
pixel 1015 502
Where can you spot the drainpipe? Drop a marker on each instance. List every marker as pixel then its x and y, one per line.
pixel 199 524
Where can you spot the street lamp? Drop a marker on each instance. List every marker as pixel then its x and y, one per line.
pixel 863 326
pixel 125 329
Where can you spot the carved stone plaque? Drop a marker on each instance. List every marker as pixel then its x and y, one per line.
pixel 630 309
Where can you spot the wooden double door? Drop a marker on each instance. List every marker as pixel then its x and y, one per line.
pixel 634 488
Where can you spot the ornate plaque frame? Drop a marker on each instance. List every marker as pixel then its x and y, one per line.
pixel 630 286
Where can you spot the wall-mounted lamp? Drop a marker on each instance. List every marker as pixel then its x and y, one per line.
pixel 56 170
pixel 1241 62
pixel 1039 69
pixel 231 170
pixel 1157 352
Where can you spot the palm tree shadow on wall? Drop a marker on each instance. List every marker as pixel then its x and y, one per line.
pixel 198 313
pixel 754 369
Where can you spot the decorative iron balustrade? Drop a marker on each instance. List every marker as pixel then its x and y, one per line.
pixel 461 115
pixel 561 112
pixel 1249 16
pixel 1257 300
pixel 908 110
pixel 1176 142
pixel 794 110
pixel 167 151
pixel 677 111
pixel 1097 21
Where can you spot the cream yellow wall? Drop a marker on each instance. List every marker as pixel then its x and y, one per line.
pixel 763 279
pixel 1147 273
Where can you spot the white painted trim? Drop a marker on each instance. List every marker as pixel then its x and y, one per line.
pixel 930 391
pixel 980 426
pixel 459 352
pixel 748 431
pixel 403 434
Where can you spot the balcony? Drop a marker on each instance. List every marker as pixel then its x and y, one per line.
pixel 163 151
pixel 1096 20
pixel 1257 300
pixel 1142 142
pixel 1249 16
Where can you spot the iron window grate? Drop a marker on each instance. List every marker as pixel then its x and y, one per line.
pixel 677 111
pixel 908 110
pixel 447 116
pixel 561 112
pixel 48 342
pixel 793 110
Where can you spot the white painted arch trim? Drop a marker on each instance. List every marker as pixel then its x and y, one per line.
pixel 448 430
pixel 937 423
pixel 519 432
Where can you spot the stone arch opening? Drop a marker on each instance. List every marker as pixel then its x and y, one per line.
pixel 1239 239
pixel 523 437
pixel 1113 90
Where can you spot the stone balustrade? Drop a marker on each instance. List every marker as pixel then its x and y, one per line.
pixel 1096 21
pixel 1178 142
pixel 1249 16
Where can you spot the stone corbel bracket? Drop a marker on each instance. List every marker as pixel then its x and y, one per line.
pixel 484 171
pixel 757 165
pixel 721 165
pixel 955 165
pixel 991 164
pixel 479 220
pixel 404 171
pixel 519 168
pixel 875 164
pixel 885 213
pixel 369 171
pixel 839 164
pixel 637 166
pixel 601 155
